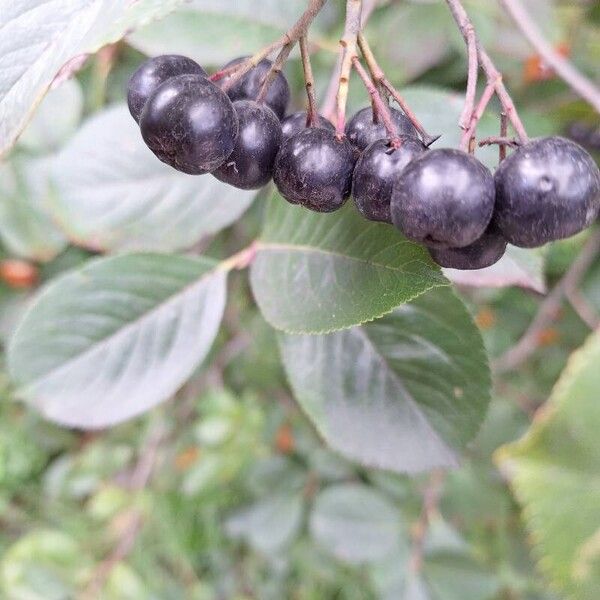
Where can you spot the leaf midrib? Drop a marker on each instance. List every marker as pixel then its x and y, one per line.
pixel 266 246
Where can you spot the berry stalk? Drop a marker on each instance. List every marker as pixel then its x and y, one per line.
pixel 494 76
pixel 382 109
pixel 348 52
pixel 382 81
pixel 290 37
pixel 275 69
pixel 309 82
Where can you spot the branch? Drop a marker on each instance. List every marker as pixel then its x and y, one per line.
pixel 275 69
pixel 382 81
pixel 473 70
pixel 289 37
pixel 529 342
pixel 347 53
pixel 494 76
pixel 431 500
pixel 578 82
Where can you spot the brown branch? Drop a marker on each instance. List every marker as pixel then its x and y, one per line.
pixel 529 342
pixel 382 81
pixel 503 134
pixel 501 141
pixel 468 135
pixel 431 499
pixel 309 82
pixel 578 82
pixel 289 37
pixel 585 311
pixel 347 53
pixel 472 72
pixel 494 76
pixel 275 69
pixel 380 107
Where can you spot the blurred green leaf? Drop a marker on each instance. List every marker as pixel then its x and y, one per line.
pixel 554 471
pixel 116 337
pixel 405 392
pixel 114 194
pixel 316 273
pixel 355 523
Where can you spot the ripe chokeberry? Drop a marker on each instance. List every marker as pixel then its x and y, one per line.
pixel 375 172
pixel 314 169
pixel 362 130
pixel 190 124
pixel 546 190
pixel 443 199
pixel 153 73
pixel 250 165
pixel 483 252
pixel 248 87
pixel 296 122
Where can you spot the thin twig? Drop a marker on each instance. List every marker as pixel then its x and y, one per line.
pixel 381 80
pixel 501 141
pixel 275 69
pixel 503 134
pixel 380 107
pixel 291 36
pixel 578 82
pixel 309 82
pixel 494 76
pixel 347 52
pixel 431 499
pixel 585 311
pixel 468 135
pixel 548 309
pixel 472 71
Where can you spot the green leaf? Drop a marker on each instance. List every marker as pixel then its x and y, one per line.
pixel 56 118
pixel 406 392
pixel 114 194
pixel 555 471
pixel 355 523
pixel 215 31
pixel 41 37
pixel 26 228
pixel 316 273
pixel 114 338
pixel 270 524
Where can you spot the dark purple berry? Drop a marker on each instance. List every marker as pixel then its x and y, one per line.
pixel 314 169
pixel 444 199
pixel 153 73
pixel 375 173
pixel 250 165
pixel 362 131
pixel 296 122
pixel 247 88
pixel 546 190
pixel 484 252
pixel 190 124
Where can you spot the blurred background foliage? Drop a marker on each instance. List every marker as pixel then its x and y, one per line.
pixel 226 491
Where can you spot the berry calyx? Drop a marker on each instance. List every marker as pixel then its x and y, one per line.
pixel 153 73
pixel 296 122
pixel 250 165
pixel 247 88
pixel 375 172
pixel 443 199
pixel 482 253
pixel 190 124
pixel 547 190
pixel 314 169
pixel 362 130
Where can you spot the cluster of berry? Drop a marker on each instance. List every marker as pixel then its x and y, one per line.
pixel 446 199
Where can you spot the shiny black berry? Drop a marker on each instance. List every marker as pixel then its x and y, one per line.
pixel 362 130
pixel 546 190
pixel 444 199
pixel 250 165
pixel 484 252
pixel 296 122
pixel 190 124
pixel 314 169
pixel 152 73
pixel 375 173
pixel 247 88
